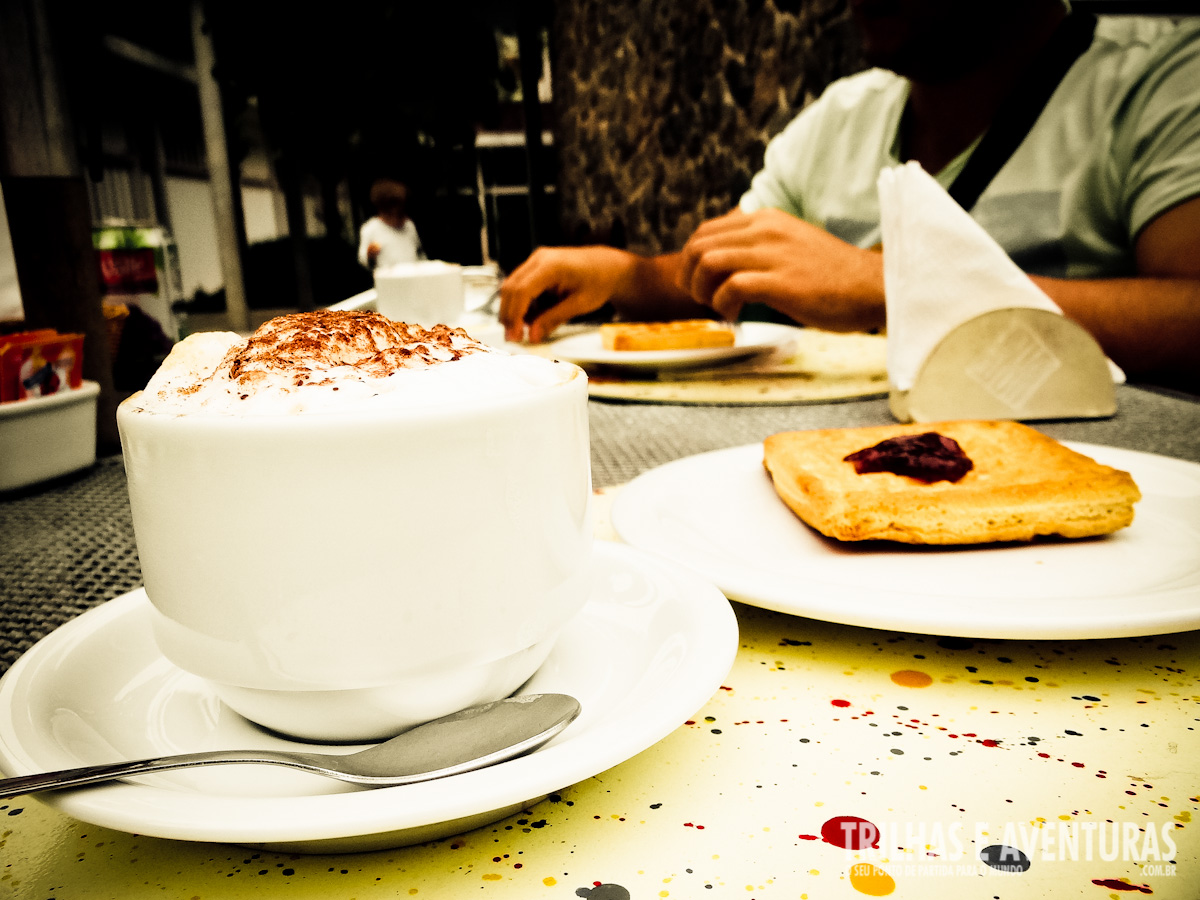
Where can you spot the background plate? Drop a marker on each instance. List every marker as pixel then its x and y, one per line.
pixel 586 349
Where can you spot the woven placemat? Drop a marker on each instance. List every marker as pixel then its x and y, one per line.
pixel 748 391
pixel 68 546
pixel 821 367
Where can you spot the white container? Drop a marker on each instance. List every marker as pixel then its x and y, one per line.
pixel 425 293
pixel 44 437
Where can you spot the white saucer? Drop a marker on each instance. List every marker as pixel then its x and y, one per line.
pixel 587 348
pixel 649 649
pixel 718 514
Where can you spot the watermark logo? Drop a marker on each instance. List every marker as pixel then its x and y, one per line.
pixel 1158 870
pixel 1014 846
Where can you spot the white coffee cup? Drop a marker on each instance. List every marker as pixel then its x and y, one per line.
pixel 341 576
pixel 427 293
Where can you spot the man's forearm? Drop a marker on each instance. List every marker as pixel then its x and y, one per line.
pixel 1147 326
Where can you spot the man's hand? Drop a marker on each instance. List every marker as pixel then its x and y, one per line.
pixel 373 251
pixel 771 257
pixel 583 279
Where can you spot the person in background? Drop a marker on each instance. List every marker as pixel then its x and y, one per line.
pixel 1097 196
pixel 389 237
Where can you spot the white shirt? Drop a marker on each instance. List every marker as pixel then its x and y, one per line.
pixel 1117 145
pixel 397 245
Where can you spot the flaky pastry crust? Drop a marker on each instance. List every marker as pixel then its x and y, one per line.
pixel 1023 485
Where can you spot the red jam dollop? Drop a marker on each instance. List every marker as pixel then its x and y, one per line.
pixel 926 457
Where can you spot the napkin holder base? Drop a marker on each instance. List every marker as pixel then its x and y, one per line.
pixel 1014 363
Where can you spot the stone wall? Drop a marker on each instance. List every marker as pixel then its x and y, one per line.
pixel 663 108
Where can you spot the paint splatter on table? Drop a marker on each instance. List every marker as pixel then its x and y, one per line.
pixel 835 762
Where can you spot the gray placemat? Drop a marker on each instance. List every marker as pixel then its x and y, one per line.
pixel 65 546
pixel 629 438
pixel 68 545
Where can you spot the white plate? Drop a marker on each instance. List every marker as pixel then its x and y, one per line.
pixel 718 514
pixel 751 338
pixel 650 648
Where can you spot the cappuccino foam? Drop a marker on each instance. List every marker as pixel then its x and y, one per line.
pixel 337 361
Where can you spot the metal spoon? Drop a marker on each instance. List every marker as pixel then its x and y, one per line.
pixel 470 739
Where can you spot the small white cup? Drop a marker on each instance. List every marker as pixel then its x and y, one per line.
pixel 342 577
pixel 425 293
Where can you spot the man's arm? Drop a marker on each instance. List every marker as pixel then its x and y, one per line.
pixel 1148 324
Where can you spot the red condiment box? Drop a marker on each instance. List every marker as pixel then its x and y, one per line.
pixel 39 363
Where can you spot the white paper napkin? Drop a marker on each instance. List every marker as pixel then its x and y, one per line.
pixel 940 269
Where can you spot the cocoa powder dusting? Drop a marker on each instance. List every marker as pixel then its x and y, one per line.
pixel 303 343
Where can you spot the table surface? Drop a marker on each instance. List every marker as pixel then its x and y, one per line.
pixel 948 746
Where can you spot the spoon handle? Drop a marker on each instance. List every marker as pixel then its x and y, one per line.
pixel 65 778
pixel 468 739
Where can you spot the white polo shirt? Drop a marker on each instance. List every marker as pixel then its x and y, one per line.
pixel 1117 145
